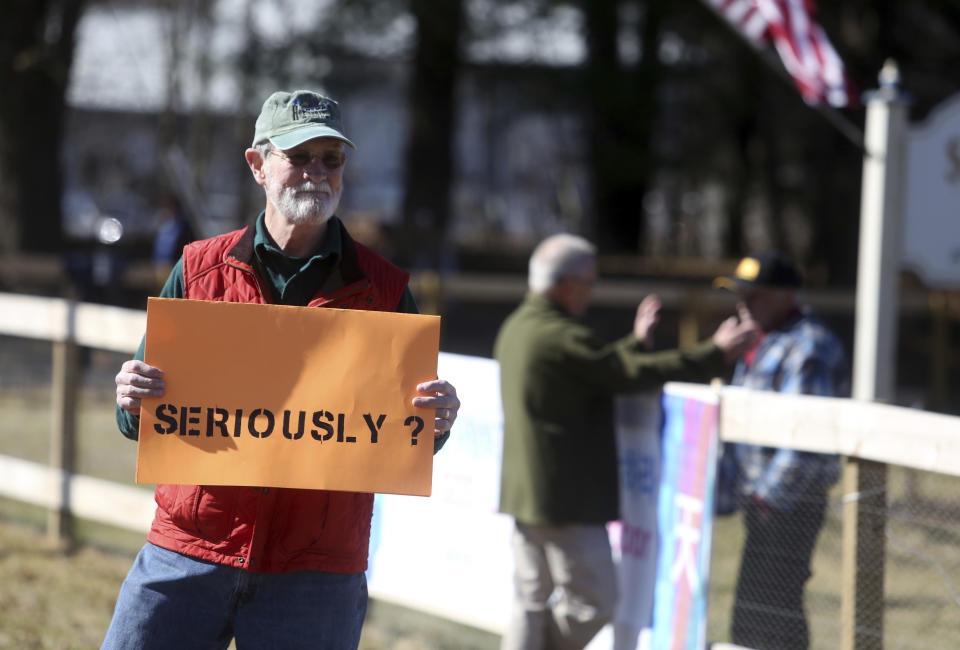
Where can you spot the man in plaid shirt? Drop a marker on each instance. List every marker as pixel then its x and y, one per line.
pixel 783 492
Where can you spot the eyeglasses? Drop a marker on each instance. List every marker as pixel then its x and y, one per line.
pixel 330 160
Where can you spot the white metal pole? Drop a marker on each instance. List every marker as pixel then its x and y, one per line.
pixel 878 271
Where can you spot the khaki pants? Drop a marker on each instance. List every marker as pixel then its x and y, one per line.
pixel 565 587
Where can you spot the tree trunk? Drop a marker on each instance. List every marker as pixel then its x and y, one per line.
pixel 432 111
pixel 36 52
pixel 624 106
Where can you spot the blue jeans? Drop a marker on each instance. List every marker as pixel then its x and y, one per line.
pixel 169 600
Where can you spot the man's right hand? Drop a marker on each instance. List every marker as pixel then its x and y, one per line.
pixel 135 381
pixel 734 337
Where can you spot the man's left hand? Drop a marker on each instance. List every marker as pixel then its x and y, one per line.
pixel 646 319
pixel 439 394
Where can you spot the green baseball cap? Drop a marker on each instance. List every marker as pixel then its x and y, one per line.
pixel 288 119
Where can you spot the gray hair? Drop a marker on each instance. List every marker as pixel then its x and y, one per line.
pixel 558 257
pixel 264 147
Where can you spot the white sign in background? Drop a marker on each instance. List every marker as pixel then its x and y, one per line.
pixel 449 554
pixel 931 228
pixel 634 537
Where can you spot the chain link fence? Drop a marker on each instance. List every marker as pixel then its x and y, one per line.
pixel 760 597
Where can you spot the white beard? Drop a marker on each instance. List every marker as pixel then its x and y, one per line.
pixel 307 204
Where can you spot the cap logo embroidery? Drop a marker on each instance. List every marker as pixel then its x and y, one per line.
pixel 748 269
pixel 310 108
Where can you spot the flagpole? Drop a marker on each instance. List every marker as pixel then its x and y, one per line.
pixel 838 120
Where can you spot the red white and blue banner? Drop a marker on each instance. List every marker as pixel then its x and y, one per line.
pixel 685 514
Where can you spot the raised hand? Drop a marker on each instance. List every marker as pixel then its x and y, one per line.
pixel 735 336
pixel 646 319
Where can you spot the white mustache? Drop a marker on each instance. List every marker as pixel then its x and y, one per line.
pixel 310 186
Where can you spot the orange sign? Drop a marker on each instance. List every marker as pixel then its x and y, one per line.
pixel 300 397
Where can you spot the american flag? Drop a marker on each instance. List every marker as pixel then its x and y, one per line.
pixel 803 46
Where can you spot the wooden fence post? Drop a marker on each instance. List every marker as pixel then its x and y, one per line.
pixel 64 387
pixel 864 546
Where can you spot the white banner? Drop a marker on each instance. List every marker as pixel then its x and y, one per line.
pixel 449 554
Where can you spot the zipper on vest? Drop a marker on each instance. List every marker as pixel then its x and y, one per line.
pixel 256 280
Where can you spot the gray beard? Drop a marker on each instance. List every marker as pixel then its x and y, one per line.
pixel 304 204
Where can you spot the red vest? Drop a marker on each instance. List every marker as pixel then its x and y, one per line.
pixel 273 530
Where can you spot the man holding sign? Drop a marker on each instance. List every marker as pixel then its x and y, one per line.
pixel 271 567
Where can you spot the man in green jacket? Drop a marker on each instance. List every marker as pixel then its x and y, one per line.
pixel 558 380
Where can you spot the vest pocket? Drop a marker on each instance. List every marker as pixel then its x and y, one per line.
pixel 305 517
pixel 346 529
pixel 206 512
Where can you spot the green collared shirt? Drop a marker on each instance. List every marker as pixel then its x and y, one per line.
pixel 295 280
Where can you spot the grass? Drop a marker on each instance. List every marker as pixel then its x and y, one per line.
pixel 52 597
